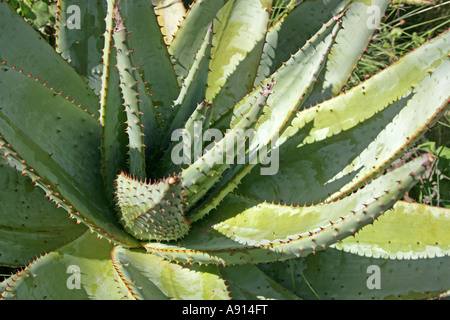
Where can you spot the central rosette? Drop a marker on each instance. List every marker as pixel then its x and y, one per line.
pixel 152 211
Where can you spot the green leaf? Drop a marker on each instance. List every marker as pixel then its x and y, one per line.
pixel 170 13
pixel 129 80
pixel 409 231
pixel 409 244
pixel 358 25
pixel 29 224
pixel 293 82
pixel 194 85
pixel 72 172
pixel 81 270
pixel 23 48
pixel 151 56
pixel 237 47
pixel 248 282
pixel 293 31
pixel 80 25
pixel 189 36
pixel 151 277
pixel 112 112
pixel 252 227
pixel 43 14
pixel 335 274
pixel 199 177
pixel 189 105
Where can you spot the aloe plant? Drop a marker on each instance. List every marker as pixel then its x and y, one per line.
pixel 100 201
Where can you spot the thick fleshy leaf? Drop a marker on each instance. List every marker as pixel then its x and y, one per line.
pixel 404 254
pixel 399 102
pixel 66 157
pixel 129 85
pixel 150 277
pixel 150 55
pixel 293 82
pixel 80 270
pixel 23 48
pixel 112 111
pixel 408 231
pixel 250 226
pixel 190 35
pixel 199 177
pixel 170 13
pixel 359 21
pixel 358 25
pixel 192 92
pixel 248 282
pixel 29 223
pixel 239 33
pixel 326 153
pixel 335 274
pixel 244 230
pixel 292 31
pixel 80 25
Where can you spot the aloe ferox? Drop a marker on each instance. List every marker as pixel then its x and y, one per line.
pixel 93 205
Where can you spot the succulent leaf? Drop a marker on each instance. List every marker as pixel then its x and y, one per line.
pixel 248 282
pixel 189 36
pixel 151 277
pixel 78 271
pixel 129 79
pixel 23 49
pixel 335 274
pixel 409 244
pixel 78 46
pixel 286 92
pixel 77 178
pixel 199 177
pixel 147 44
pixel 170 14
pixel 294 81
pixel 358 25
pixel 192 91
pixel 408 231
pixel 238 41
pixel 37 225
pixel 112 111
pixel 293 30
pixel 267 122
